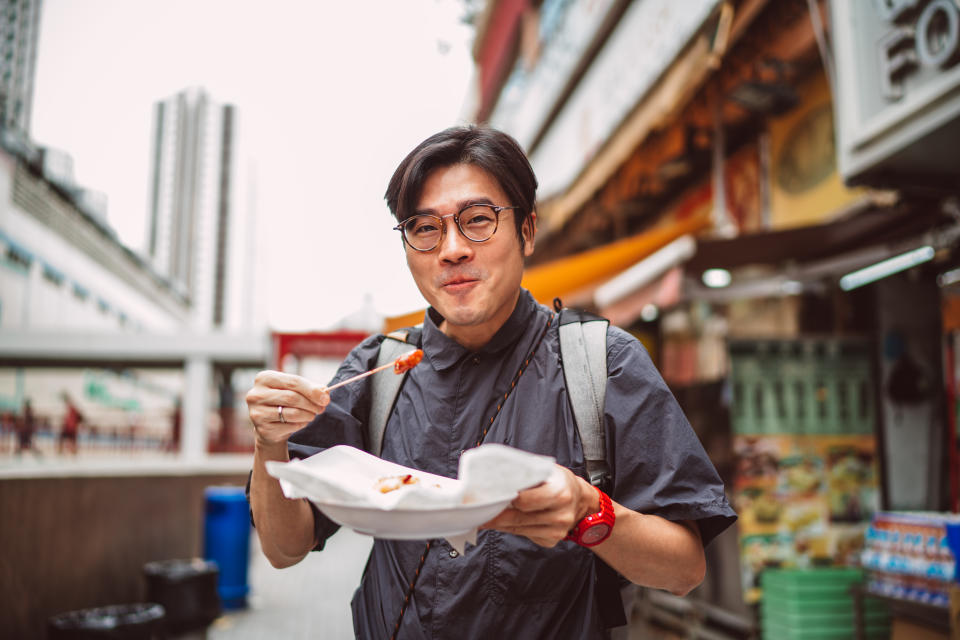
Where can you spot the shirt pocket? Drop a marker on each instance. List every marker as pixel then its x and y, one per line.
pixel 519 571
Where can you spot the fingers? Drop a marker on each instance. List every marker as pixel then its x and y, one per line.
pixel 545 528
pixel 277 381
pixel 512 519
pixel 300 399
pixel 544 513
pixel 286 390
pixel 559 490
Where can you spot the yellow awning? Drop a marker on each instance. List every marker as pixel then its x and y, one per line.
pixel 560 278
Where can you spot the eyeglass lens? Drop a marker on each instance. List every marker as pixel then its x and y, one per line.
pixel 477 223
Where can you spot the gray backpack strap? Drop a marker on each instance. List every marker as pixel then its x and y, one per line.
pixel 385 385
pixel 583 348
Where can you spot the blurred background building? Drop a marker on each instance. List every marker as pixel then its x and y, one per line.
pixel 201 226
pixel 19 34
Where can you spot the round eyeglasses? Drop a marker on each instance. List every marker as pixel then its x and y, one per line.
pixel 477 223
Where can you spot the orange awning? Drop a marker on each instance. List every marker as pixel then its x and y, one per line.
pixel 591 268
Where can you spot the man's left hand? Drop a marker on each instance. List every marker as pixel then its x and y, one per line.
pixel 547 512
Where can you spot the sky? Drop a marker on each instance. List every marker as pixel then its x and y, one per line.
pixel 331 96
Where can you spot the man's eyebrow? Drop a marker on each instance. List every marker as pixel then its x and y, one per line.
pixel 461 205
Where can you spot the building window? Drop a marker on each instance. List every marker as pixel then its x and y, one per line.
pixel 80 293
pixel 52 276
pixel 18 258
pixel 103 305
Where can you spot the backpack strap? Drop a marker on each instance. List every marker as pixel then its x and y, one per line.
pixel 385 386
pixel 583 349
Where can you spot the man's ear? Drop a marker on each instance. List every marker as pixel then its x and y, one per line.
pixel 529 231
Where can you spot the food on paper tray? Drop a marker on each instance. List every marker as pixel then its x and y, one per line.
pixel 386 484
pixel 392 483
pixel 380 498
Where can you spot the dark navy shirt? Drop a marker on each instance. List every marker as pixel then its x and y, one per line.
pixel 507 586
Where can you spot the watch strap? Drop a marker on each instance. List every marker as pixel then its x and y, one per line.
pixel 604 518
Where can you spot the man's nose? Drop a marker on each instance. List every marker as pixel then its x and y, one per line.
pixel 454 247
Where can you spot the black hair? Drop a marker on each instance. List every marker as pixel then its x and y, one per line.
pixel 489 149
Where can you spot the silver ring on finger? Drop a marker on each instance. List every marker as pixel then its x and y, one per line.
pixel 280 414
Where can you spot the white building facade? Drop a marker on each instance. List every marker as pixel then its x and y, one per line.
pixel 61 268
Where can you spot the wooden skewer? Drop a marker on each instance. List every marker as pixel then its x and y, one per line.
pixel 389 365
pixel 380 368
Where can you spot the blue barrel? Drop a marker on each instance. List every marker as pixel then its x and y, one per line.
pixel 226 541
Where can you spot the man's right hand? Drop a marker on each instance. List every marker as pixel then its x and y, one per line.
pixel 301 401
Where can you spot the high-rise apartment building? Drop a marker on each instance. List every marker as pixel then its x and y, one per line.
pixel 19 32
pixel 199 226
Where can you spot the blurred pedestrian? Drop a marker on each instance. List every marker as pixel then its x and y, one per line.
pixel 26 427
pixel 70 428
pixel 176 426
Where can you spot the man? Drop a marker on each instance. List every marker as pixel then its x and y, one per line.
pixel 27 427
pixel 465 201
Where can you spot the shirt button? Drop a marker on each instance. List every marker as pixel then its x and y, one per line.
pixel 453 553
pixel 476 359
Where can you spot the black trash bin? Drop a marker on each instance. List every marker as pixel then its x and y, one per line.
pixel 140 621
pixel 187 589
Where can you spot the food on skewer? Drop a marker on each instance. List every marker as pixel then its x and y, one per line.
pixel 408 361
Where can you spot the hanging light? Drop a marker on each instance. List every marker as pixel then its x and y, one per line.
pixel 886 268
pixel 716 278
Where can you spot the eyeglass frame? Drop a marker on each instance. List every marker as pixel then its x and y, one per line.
pixel 456 218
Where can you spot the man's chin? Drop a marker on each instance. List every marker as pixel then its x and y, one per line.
pixel 461 316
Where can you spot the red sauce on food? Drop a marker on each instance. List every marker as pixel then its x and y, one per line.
pixel 408 361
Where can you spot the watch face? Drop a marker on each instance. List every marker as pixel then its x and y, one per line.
pixel 595 534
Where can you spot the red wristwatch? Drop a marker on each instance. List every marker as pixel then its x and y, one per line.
pixel 596 527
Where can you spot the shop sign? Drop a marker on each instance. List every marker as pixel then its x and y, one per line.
pixel 898 89
pixel 930 38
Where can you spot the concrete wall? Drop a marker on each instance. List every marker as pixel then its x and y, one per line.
pixel 70 543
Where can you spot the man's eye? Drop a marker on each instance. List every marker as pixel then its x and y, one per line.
pixel 481 217
pixel 423 228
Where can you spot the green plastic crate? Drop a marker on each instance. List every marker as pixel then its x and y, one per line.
pixel 816 604
pixel 779 631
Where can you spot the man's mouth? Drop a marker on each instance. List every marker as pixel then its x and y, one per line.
pixel 459 283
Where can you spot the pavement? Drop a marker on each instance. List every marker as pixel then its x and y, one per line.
pixel 308 600
pixel 312 598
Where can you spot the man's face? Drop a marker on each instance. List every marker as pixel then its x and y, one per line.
pixel 474 285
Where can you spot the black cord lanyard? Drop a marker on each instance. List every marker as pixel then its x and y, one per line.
pixel 486 428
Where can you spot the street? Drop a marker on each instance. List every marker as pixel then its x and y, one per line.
pixel 301 601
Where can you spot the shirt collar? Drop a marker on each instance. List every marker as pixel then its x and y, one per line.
pixel 444 352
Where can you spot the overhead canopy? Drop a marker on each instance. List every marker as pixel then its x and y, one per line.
pixel 812 243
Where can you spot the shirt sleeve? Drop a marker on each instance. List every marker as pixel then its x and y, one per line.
pixel 659 466
pixel 341 423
